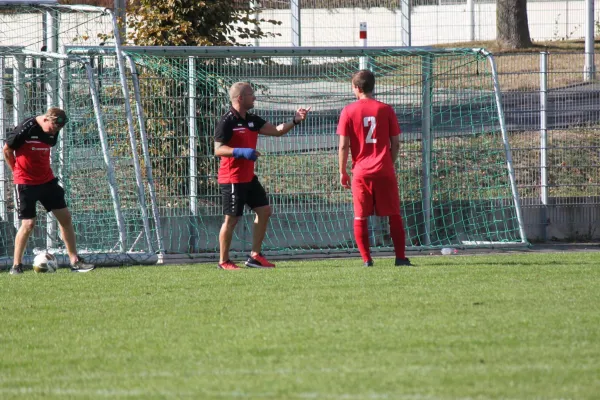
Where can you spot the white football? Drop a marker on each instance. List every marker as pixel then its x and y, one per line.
pixel 45 262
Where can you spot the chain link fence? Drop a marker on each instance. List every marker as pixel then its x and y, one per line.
pixel 415 23
pixel 554 138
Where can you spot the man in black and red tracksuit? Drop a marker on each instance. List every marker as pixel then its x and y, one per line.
pixel 27 152
pixel 236 136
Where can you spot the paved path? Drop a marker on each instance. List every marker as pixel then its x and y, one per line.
pixel 574 106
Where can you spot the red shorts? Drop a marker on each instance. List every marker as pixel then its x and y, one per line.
pixel 379 194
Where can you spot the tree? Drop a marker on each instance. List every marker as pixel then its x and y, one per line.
pixel 192 22
pixel 186 23
pixel 512 28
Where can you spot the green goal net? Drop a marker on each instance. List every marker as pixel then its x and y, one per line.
pixel 454 170
pixel 36 73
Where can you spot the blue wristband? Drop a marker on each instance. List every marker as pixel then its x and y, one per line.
pixel 245 152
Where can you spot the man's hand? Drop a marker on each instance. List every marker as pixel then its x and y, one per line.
pixel 247 153
pixel 345 180
pixel 301 114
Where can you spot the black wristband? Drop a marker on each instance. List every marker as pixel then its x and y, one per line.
pixel 294 121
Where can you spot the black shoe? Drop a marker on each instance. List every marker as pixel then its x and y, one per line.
pixel 81 266
pixel 16 269
pixel 368 263
pixel 403 262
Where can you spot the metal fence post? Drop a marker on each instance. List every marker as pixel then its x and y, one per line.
pixel 405 22
pixel 543 143
pixel 567 19
pixel 193 137
pixel 255 5
pixel 471 13
pixel 295 7
pixel 19 107
pixel 3 174
pixel 426 142
pixel 589 69
pixel 51 41
pixel 120 12
pixel 63 91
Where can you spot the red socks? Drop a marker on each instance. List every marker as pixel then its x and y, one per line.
pixel 361 235
pixel 398 236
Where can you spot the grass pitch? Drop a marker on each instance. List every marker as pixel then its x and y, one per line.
pixel 515 326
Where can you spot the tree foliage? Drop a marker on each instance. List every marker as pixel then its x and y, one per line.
pixel 192 23
pixel 185 23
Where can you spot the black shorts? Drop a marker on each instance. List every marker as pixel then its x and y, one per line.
pixel 236 195
pixel 50 194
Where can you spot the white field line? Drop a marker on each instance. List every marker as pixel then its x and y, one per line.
pixel 111 393
pixel 27 384
pixel 419 369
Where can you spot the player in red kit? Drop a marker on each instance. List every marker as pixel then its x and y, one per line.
pixel 236 136
pixel 370 130
pixel 27 153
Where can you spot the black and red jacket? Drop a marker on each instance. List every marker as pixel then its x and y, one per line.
pixel 235 131
pixel 32 152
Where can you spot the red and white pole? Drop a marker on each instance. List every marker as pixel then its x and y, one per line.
pixel 363 61
pixel 363 34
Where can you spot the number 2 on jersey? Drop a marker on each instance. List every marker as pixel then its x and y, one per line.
pixel 369 122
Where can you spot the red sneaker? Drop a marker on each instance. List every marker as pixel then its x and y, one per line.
pixel 259 261
pixel 228 265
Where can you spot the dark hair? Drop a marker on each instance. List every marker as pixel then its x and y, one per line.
pixel 364 80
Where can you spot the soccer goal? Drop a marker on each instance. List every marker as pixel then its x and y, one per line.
pixel 455 172
pixel 137 159
pixel 93 165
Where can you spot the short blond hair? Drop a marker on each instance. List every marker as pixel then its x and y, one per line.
pixel 237 89
pixel 57 114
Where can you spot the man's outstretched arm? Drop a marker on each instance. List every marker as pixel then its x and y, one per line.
pixel 269 129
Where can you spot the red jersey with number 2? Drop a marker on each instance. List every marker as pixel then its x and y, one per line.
pixel 369 124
